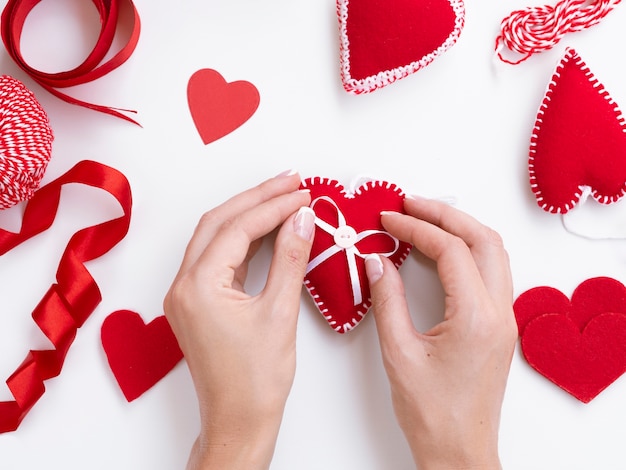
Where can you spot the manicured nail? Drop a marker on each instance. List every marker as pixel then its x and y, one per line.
pixel 390 213
pixel 304 223
pixel 373 267
pixel 286 173
pixel 450 200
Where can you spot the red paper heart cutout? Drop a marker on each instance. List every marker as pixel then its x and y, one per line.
pixel 139 354
pixel 218 107
pixel 381 42
pixel 348 227
pixel 579 140
pixel 580 345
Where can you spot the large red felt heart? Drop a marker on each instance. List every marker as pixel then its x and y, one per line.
pixel 580 345
pixel 139 354
pixel 348 227
pixel 383 41
pixel 218 107
pixel 579 140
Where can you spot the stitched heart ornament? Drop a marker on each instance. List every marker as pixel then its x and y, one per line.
pixel 579 141
pixel 384 41
pixel 348 228
pixel 580 345
pixel 218 107
pixel 139 354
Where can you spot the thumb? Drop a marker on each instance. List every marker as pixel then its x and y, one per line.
pixel 390 308
pixel 291 256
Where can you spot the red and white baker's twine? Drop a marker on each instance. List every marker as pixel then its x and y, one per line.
pixel 537 29
pixel 25 142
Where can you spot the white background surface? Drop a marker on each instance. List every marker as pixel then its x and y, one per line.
pixel 459 127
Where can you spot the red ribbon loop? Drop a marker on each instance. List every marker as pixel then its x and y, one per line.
pixel 69 302
pixel 92 68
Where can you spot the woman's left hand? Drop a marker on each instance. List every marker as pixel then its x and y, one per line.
pixel 241 349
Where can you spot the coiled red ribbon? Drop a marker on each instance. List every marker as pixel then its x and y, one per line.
pixel 13 18
pixel 75 295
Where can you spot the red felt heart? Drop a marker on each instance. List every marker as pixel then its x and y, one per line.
pixel 383 41
pixel 348 227
pixel 139 354
pixel 579 140
pixel 218 107
pixel 580 345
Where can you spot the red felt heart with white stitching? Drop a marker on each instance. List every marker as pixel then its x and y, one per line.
pixel 580 345
pixel 579 140
pixel 383 41
pixel 348 228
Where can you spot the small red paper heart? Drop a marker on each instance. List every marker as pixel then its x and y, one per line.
pixel 382 42
pixel 579 140
pixel 348 228
pixel 218 107
pixel 139 354
pixel 580 345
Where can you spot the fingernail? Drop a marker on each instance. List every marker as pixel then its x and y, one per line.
pixel 373 267
pixel 450 200
pixel 286 173
pixel 304 223
pixel 390 213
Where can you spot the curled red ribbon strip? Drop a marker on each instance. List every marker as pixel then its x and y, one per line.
pixel 13 18
pixel 75 295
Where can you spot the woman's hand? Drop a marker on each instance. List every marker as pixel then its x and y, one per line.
pixel 448 383
pixel 241 349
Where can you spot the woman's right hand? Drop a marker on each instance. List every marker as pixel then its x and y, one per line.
pixel 448 383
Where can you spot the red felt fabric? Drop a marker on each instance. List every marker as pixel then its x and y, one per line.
pixel 330 282
pixel 580 345
pixel 393 37
pixel 579 140
pixel 139 354
pixel 385 34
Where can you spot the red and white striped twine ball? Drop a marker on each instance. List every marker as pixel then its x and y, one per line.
pixel 537 29
pixel 25 142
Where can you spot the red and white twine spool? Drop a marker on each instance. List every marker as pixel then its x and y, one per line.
pixel 537 29
pixel 25 142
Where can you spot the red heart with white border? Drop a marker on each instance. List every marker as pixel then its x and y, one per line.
pixel 381 42
pixel 579 140
pixel 348 228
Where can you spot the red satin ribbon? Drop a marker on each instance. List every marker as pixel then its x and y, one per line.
pixel 75 295
pixel 13 18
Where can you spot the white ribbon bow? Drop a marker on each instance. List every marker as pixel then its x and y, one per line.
pixel 350 249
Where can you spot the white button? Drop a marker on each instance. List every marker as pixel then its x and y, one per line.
pixel 345 236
